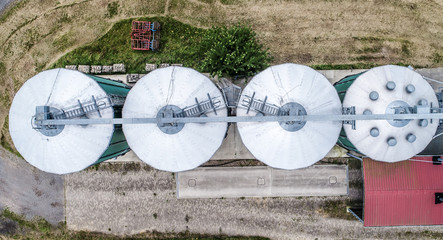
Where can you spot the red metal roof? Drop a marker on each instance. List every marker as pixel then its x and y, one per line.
pixel 402 193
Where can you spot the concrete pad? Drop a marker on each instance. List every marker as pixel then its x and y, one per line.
pixel 317 180
pixel 336 75
pixel 217 182
pixel 336 152
pixel 28 191
pixel 232 147
pixel 128 157
pixel 224 182
pixel 434 73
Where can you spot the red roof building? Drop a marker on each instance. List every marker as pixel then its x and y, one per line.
pixel 402 193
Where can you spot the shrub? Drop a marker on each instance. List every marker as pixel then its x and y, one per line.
pixel 234 51
pixel 112 9
pixel 437 58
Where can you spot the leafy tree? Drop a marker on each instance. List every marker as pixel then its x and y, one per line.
pixel 234 51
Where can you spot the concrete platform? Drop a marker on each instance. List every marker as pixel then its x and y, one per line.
pixel 28 191
pixel 217 182
pixel 232 146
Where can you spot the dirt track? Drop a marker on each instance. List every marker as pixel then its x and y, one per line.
pixel 124 202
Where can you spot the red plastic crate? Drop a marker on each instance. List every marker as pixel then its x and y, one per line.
pixel 141 35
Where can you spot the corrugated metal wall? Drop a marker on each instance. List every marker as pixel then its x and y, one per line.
pixel 402 193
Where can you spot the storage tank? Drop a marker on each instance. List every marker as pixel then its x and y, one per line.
pixel 67 94
pixel 387 90
pixel 175 92
pixel 283 90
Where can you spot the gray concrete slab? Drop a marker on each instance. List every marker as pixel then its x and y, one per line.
pixel 217 182
pixel 232 147
pixel 316 180
pixel 28 191
pixel 128 157
pixel 434 73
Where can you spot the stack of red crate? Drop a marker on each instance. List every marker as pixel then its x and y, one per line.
pixel 145 35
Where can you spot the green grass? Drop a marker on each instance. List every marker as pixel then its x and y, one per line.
pixel 2 68
pixel 405 49
pixel 337 209
pixel 230 2
pixel 112 9
pixel 207 1
pixel 179 43
pixel 354 163
pixel 63 42
pixel 437 58
pixel 37 224
pixel 4 142
pixel 344 66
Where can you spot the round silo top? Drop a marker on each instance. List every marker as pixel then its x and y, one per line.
pixel 294 90
pixel 390 90
pixel 59 149
pixel 166 92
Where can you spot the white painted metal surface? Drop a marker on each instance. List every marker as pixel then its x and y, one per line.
pixel 195 143
pixel 272 144
pixel 76 147
pixel 377 79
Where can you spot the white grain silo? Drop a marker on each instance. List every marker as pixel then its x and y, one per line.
pixel 174 92
pixel 388 90
pixel 66 94
pixel 284 90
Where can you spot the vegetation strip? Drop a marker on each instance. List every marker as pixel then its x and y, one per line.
pixel 179 43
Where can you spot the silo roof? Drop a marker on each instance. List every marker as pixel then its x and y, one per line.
pixel 176 148
pixel 75 147
pixel 393 89
pixel 290 148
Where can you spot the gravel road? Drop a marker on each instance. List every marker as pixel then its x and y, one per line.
pixel 28 191
pixel 5 3
pixel 138 199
